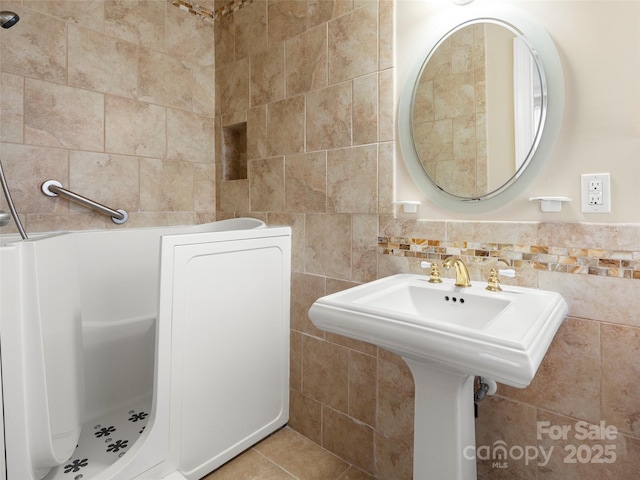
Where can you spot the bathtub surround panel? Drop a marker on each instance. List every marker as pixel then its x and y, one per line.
pixel 251 364
pixel 131 83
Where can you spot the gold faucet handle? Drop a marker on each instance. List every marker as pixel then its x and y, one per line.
pixel 435 272
pixel 493 282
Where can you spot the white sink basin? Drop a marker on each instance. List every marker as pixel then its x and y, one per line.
pixel 501 335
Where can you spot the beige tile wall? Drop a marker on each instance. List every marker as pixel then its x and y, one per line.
pixel 315 90
pixel 115 100
pixel 313 80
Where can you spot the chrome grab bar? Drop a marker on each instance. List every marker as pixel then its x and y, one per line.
pixel 53 188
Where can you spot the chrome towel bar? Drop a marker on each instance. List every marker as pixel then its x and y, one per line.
pixel 53 188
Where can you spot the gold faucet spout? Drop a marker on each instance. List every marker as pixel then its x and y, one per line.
pixel 462 274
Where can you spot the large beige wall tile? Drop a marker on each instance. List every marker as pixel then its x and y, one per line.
pixel 102 63
pixel 351 439
pixel 364 247
pixel 345 165
pixel 321 11
pixel 590 235
pixel 251 30
pixel 225 41
pixel 306 182
pixel 286 18
pixel 385 170
pixel 60 116
pixel 325 372
pixel 233 195
pixel 328 245
pixel 112 180
pixel 189 137
pixel 329 118
pixel 584 294
pixel 295 361
pixel 394 456
pixel 307 61
pixel 189 38
pixel 305 415
pixel 386 33
pixel 11 108
pixel 267 75
pixel 396 393
pixel 204 91
pixel 620 375
pixel 257 132
pixel 285 126
pixel 37 48
pixel 89 13
pixel 135 128
pixel 504 422
pixel 519 233
pixel 353 44
pixel 568 379
pixel 204 184
pixel 139 21
pixel 164 80
pixel 166 185
pixel 266 178
pixel 365 109
pixel 362 387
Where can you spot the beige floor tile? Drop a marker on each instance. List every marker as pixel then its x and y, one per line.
pixel 249 466
pixel 301 457
pixel 287 455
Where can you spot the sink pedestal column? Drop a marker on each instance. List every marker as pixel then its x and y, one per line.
pixel 444 425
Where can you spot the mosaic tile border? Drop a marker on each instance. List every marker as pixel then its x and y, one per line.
pixel 195 9
pixel 582 261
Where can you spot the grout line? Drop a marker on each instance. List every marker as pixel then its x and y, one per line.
pixel 275 464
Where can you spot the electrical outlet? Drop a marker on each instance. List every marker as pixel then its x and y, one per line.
pixel 596 193
pixel 595 185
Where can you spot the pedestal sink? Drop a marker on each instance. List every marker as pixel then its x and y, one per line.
pixel 447 335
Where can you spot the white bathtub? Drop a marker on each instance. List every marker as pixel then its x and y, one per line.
pixel 165 349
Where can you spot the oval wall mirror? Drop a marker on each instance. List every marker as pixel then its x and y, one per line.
pixel 482 109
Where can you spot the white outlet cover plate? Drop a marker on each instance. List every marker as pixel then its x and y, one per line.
pixel 605 207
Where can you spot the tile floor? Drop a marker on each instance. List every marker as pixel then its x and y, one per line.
pixel 287 455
